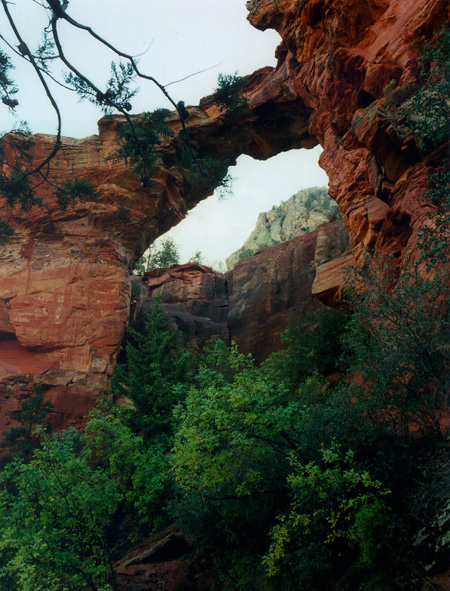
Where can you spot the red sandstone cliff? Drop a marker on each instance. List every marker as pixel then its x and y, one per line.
pixel 64 292
pixel 252 304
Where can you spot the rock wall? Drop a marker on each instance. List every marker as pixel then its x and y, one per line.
pixel 64 291
pixel 302 213
pixel 253 303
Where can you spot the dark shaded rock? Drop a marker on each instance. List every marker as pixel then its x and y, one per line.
pixel 252 304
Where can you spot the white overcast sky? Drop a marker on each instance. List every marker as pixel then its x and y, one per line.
pixel 181 37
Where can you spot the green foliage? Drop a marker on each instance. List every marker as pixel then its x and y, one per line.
pixel 434 239
pixel 17 188
pixel 165 256
pixel 245 253
pixel 140 471
pixel 428 113
pixel 331 510
pixel 312 346
pixel 255 481
pixel 228 94
pixel 221 444
pixel 158 257
pixel 137 143
pixel 140 266
pixel 20 142
pixel 207 174
pixel 75 190
pixel 230 460
pixel 398 342
pixel 45 51
pixel 308 203
pixel 6 231
pixel 54 515
pixel 156 365
pixel 198 258
pixel 7 85
pixel 122 76
pixel 343 237
pixel 22 441
pixel 118 91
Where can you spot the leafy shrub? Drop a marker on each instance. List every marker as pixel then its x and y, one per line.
pixel 428 112
pixel 6 231
pixel 137 143
pixel 54 515
pixel 245 253
pixel 312 346
pixel 140 471
pixel 397 340
pixel 228 94
pixel 21 441
pixel 207 174
pixel 335 506
pixel 75 190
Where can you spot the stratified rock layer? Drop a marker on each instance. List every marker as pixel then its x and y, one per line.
pixel 253 303
pixel 64 291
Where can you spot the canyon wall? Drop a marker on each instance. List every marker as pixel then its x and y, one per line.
pixel 64 288
pixel 253 303
pixel 302 213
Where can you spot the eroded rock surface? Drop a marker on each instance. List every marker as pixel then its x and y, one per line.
pixel 64 291
pixel 253 303
pixel 193 296
pixel 302 213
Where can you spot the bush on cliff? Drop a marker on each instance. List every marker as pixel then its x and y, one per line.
pixel 79 503
pixel 312 345
pixel 428 113
pixel 397 343
pixel 21 441
pixel 253 454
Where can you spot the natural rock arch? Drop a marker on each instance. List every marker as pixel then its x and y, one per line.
pixel 64 277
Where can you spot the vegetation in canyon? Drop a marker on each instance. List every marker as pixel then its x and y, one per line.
pixel 325 467
pixel 261 467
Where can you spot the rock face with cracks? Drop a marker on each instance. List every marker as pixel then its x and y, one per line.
pixel 253 303
pixel 64 288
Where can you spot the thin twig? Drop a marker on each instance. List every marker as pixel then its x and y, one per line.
pixel 191 75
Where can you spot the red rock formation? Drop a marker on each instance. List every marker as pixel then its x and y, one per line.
pixel 193 296
pixel 64 291
pixel 267 289
pixel 252 304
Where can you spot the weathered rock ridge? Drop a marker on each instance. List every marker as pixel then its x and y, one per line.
pixel 302 213
pixel 254 302
pixel 64 289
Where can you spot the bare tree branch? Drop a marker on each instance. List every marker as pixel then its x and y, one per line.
pixel 57 144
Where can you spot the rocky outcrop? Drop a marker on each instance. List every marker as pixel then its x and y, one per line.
pixel 253 303
pixel 302 213
pixel 64 291
pixel 156 563
pixel 193 296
